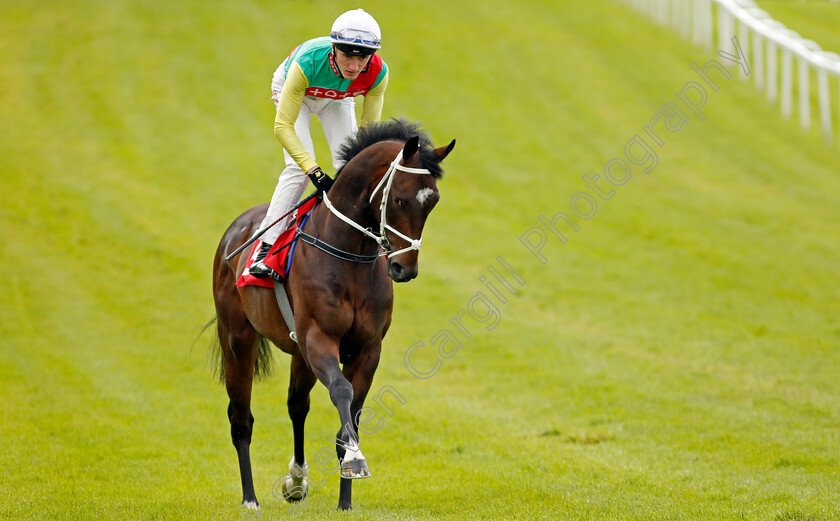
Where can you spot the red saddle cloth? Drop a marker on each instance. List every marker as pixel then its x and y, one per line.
pixel 279 257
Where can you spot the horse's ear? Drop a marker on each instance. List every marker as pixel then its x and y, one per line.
pixel 442 152
pixel 411 147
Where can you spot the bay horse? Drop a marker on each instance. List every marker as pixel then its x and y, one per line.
pixel 340 290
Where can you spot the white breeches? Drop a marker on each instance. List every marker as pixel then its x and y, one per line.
pixel 338 119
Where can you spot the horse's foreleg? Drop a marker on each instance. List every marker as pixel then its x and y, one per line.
pixel 301 381
pixel 347 440
pixel 322 353
pixel 349 469
pixel 360 375
pixel 240 351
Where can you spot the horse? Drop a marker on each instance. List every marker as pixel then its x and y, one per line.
pixel 340 286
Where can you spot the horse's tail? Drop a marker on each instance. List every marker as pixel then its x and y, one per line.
pixel 215 357
pixel 262 367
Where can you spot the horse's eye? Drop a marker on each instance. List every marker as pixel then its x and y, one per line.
pixel 401 203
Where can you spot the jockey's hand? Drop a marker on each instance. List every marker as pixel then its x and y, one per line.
pixel 320 179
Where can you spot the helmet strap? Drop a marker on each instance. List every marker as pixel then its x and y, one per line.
pixel 334 63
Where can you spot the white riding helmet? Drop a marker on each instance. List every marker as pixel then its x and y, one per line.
pixel 356 28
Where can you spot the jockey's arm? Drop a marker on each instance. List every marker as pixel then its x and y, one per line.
pixel 374 99
pixel 288 110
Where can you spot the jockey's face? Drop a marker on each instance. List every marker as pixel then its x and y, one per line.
pixel 350 66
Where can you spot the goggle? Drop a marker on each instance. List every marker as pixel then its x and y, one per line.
pixel 356 37
pixel 354 50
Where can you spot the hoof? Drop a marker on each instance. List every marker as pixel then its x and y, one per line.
pixel 295 486
pixel 252 511
pixel 356 469
pixel 294 492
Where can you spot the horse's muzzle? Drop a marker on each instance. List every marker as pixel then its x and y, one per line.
pixel 401 273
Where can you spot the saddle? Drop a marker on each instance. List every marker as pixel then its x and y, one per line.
pixel 279 258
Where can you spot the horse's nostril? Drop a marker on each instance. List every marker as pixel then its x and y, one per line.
pixel 400 273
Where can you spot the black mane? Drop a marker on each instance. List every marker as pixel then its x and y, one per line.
pixel 392 130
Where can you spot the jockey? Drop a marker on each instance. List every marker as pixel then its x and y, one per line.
pixel 321 76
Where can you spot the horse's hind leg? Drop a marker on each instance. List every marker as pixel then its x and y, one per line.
pixel 240 347
pixel 301 381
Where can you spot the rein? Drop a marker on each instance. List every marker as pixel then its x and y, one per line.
pixel 335 252
pixel 385 246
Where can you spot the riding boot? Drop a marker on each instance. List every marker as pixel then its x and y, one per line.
pixel 259 269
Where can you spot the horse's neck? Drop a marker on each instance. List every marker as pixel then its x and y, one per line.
pixel 349 195
pixel 361 175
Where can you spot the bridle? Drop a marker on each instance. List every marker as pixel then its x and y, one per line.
pixel 380 238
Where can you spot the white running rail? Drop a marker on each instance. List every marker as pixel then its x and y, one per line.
pixel 768 43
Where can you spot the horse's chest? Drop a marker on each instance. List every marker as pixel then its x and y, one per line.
pixel 365 322
pixel 369 319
